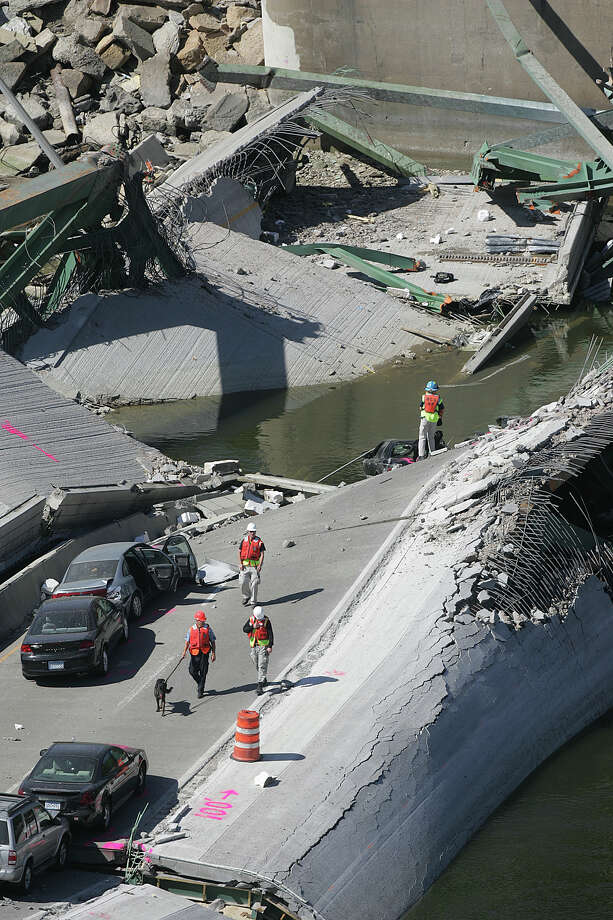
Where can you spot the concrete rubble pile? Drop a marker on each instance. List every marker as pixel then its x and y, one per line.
pixel 117 58
pixel 501 494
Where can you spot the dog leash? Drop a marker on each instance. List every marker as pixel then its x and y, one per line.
pixel 175 668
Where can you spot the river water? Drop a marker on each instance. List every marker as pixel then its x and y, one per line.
pixel 546 853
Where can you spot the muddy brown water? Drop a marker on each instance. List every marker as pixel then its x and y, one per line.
pixel 545 854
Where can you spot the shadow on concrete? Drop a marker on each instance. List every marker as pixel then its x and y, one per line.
pixel 281 757
pixel 158 788
pixel 125 661
pixel 568 38
pixel 243 688
pixel 314 681
pixel 290 598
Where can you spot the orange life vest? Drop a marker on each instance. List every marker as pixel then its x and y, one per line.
pixel 199 640
pixel 251 550
pixel 430 402
pixel 259 634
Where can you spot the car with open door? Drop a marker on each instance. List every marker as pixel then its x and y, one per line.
pixel 72 635
pixel 393 453
pixel 85 781
pixel 129 573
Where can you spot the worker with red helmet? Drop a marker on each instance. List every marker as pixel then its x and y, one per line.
pixel 200 641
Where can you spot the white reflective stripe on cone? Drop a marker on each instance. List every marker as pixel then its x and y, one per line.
pixel 247 731
pixel 241 744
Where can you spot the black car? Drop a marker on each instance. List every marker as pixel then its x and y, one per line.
pixel 72 635
pixel 390 454
pixel 86 782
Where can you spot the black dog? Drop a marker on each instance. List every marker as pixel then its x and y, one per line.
pixel 160 691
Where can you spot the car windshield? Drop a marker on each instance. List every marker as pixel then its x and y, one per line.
pixel 402 449
pixel 50 621
pixel 65 768
pixel 4 833
pixel 85 571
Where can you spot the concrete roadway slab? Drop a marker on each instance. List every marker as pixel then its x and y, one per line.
pixel 300 587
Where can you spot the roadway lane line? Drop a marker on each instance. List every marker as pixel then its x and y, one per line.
pixel 12 651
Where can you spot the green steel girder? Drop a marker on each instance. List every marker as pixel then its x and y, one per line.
pixel 509 163
pixel 349 256
pixel 543 79
pixel 59 284
pixel 26 201
pixel 396 162
pixel 583 186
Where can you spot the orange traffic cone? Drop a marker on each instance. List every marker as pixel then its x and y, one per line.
pixel 247 737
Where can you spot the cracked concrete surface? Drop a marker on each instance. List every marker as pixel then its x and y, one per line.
pixel 424 709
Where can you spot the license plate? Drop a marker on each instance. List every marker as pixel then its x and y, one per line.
pixel 56 665
pixel 53 806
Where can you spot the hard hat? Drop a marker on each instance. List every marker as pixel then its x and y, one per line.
pixel 258 613
pixel 251 528
pixel 200 615
pixel 432 385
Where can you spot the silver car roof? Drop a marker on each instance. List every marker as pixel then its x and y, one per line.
pixel 103 552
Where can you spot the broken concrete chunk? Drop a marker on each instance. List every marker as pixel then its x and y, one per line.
pixel 9 134
pixel 90 31
pixel 148 150
pixel 116 100
pixel 11 52
pixel 227 113
pixel 133 37
pixel 67 50
pixel 205 22
pixel 102 7
pixel 147 17
pixel 155 81
pixel 102 129
pixel 154 119
pixel 287 544
pixel 44 40
pixel 76 82
pixel 251 45
pixel 115 56
pixel 509 508
pixel 193 52
pixel 222 466
pixel 210 138
pixel 236 13
pixel 12 73
pixel 166 40
pixel 19 158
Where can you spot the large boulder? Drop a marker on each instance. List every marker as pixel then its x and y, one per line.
pixel 205 22
pixel 67 50
pixel 155 81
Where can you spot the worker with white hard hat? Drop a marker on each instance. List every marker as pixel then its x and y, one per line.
pixel 250 556
pixel 261 639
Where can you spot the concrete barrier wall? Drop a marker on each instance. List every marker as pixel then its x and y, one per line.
pixel 443 45
pixel 20 532
pixel 21 594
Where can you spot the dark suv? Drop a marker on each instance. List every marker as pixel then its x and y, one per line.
pixel 30 839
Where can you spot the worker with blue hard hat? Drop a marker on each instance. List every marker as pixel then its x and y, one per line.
pixel 431 408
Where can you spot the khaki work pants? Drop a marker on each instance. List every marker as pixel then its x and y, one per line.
pixel 426 433
pixel 259 656
pixel 249 581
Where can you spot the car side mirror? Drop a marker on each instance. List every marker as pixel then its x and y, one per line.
pixel 44 751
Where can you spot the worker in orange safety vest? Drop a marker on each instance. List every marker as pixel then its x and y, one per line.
pixel 250 556
pixel 432 409
pixel 200 642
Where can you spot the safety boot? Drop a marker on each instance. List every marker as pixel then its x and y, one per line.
pixel 260 689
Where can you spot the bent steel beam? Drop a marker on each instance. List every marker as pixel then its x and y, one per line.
pixel 393 160
pixel 543 79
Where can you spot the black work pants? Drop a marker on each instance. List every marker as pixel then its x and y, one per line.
pixel 198 668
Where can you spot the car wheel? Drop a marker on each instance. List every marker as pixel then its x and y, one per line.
pixel 61 857
pixel 141 780
pixel 26 878
pixel 105 813
pixel 136 607
pixel 103 667
pixel 125 629
pixel 28 676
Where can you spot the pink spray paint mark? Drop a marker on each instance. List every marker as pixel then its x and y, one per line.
pixel 8 427
pixel 216 811
pixel 112 845
pixel 335 673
